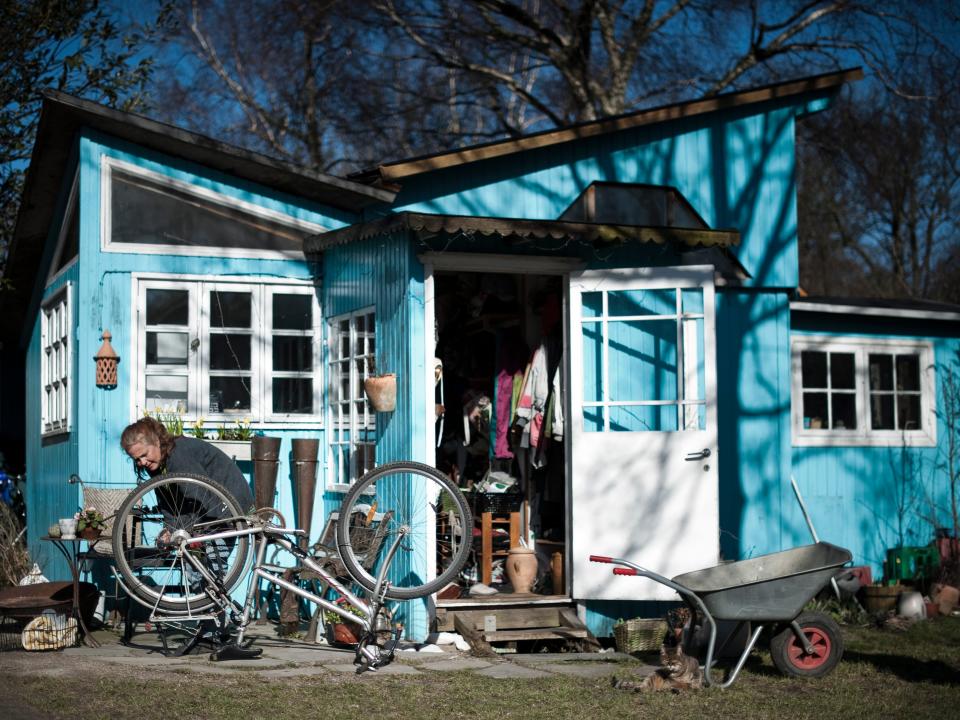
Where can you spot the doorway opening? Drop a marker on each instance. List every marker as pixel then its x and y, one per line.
pixel 499 428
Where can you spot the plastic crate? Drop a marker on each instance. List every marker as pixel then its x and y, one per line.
pixel 911 564
pixel 496 502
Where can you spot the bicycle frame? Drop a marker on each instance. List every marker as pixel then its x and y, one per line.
pixel 267 534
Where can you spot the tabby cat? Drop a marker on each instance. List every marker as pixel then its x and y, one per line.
pixel 677 670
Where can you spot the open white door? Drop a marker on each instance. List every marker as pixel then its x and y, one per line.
pixel 643 427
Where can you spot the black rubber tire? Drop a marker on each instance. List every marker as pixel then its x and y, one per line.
pixel 382 483
pixel 131 559
pixel 789 657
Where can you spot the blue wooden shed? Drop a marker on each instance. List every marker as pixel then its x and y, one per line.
pixel 613 305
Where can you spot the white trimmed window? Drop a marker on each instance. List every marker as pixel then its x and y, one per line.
pixel 223 351
pixel 55 362
pixel 851 391
pixel 352 426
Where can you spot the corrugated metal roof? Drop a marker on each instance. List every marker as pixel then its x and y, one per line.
pixel 521 230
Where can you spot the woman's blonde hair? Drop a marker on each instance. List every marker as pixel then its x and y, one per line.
pixel 147 431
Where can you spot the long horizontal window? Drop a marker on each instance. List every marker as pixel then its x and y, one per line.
pixel 223 351
pixel 862 392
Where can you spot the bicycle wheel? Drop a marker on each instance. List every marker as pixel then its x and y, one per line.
pixel 424 505
pixel 153 513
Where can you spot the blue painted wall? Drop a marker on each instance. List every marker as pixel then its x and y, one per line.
pixel 851 492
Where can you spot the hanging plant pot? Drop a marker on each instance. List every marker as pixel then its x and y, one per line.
pixel 381 390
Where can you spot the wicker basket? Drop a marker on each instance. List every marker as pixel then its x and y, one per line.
pixel 639 635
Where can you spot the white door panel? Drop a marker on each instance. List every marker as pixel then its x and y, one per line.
pixel 642 412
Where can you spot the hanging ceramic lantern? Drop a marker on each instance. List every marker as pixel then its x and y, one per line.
pixel 107 360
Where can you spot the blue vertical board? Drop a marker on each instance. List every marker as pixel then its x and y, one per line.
pixel 737 169
pixel 753 385
pixel 383 273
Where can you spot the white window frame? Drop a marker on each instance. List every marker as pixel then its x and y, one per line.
pixel 863 435
pixel 108 164
pixel 56 362
pixel 345 429
pixel 262 291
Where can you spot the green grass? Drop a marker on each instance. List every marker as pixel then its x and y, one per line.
pixel 913 674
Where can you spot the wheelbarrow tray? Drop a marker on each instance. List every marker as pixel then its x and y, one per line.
pixel 772 587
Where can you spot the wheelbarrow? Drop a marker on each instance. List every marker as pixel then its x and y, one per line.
pixel 765 590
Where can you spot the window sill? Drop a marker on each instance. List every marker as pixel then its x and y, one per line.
pixel 837 439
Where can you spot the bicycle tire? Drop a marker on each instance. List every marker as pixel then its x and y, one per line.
pixel 406 495
pixel 141 562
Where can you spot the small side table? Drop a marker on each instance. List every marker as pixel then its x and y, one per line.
pixel 69 547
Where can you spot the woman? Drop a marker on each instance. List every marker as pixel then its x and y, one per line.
pixel 155 452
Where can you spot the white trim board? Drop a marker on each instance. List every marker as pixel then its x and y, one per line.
pixel 906 313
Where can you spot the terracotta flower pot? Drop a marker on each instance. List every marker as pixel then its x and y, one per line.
pixel 90 534
pixel 382 392
pixel 522 569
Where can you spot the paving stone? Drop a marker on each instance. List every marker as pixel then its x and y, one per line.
pixel 457 664
pixel 537 658
pixel 510 671
pixel 392 669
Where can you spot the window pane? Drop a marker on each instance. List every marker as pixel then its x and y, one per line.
pixel 842 371
pixel 292 354
pixel 230 352
pixel 644 418
pixel 908 412
pixel 813 371
pixel 229 309
pixel 166 392
pixel 814 410
pixel 167 307
pixel 908 372
pixel 593 419
pixel 592 304
pixel 844 411
pixel 881 412
pixel 146 211
pixel 592 358
pixel 642 360
pixel 621 303
pixel 229 394
pixel 292 312
pixel 293 395
pixel 881 373
pixel 167 348
pixel 692 301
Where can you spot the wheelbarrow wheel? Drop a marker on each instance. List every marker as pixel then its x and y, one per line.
pixel 823 634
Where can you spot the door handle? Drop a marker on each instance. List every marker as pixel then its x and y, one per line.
pixel 694 456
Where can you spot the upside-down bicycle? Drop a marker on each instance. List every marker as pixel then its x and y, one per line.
pixel 182 545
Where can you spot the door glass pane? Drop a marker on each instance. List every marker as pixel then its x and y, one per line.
pixel 167 348
pixel 881 372
pixel 230 351
pixel 592 359
pixel 292 312
pixel 167 307
pixel 813 371
pixel 692 301
pixel 593 419
pixel 166 392
pixel 292 354
pixel 642 360
pixel 844 406
pixel 229 309
pixel 592 303
pixel 644 418
pixel 908 372
pixel 881 412
pixel 842 371
pixel 621 303
pixel 229 394
pixel 293 395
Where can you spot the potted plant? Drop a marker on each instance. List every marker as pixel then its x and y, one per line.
pixel 90 523
pixel 234 440
pixel 340 632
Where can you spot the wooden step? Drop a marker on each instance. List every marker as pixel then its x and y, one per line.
pixel 551 633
